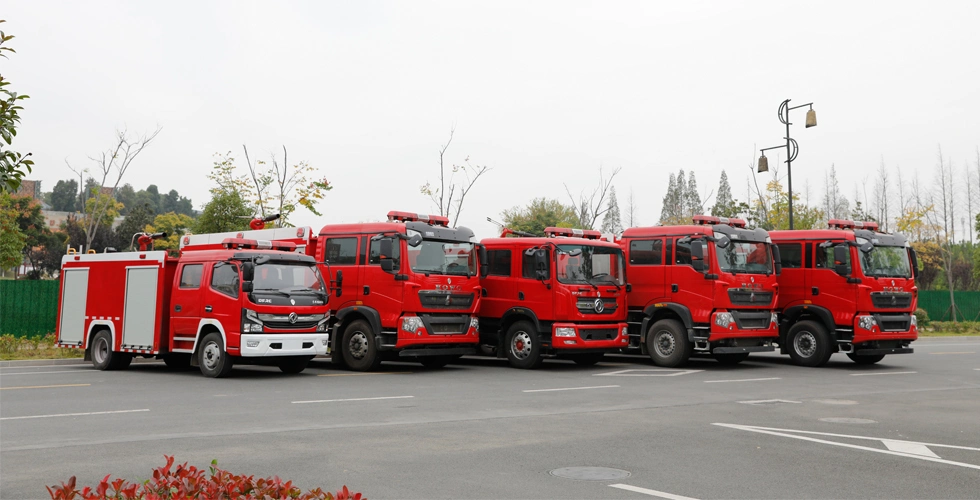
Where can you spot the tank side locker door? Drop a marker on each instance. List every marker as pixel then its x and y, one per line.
pixel 139 322
pixel 74 299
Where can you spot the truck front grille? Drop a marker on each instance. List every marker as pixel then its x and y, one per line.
pixel 586 305
pixel 891 300
pixel 437 299
pixel 598 333
pixel 894 322
pixel 438 324
pixel 749 297
pixel 752 320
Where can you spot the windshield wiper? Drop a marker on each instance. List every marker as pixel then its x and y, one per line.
pixel 271 290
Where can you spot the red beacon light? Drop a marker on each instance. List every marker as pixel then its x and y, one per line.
pixel 589 234
pixel 840 224
pixel 247 244
pixel 702 220
pixel 434 220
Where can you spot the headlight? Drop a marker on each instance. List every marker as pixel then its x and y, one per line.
pixel 625 331
pixel 475 323
pixel 411 323
pixel 915 321
pixel 564 332
pixel 866 322
pixel 251 322
pixel 724 319
pixel 774 319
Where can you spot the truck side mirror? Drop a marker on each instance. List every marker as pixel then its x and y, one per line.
pixel 248 272
pixel 697 256
pixel 386 250
pixel 484 261
pixel 541 264
pixel 777 261
pixel 840 259
pixel 339 282
pixel 915 262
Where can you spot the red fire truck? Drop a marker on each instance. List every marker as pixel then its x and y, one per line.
pixel 707 288
pixel 846 289
pixel 563 294
pixel 405 289
pixel 245 302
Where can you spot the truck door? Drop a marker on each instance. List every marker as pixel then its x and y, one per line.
pixel 687 286
pixel 342 254
pixel 792 281
pixel 829 289
pixel 186 302
pixel 500 285
pixel 647 272
pixel 386 294
pixel 221 301
pixel 533 293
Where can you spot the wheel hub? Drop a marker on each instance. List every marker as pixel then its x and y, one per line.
pixel 805 344
pixel 521 346
pixel 664 343
pixel 358 345
pixel 101 351
pixel 212 355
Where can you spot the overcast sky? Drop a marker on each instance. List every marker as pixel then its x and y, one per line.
pixel 544 93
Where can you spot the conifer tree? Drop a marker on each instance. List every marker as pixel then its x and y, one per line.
pixel 611 221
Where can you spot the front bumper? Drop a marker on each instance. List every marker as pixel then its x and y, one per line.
pixel 875 334
pixel 736 330
pixel 424 336
pixel 289 344
pixel 601 337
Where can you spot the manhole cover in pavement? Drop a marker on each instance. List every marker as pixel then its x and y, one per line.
pixel 835 401
pixel 590 473
pixel 846 420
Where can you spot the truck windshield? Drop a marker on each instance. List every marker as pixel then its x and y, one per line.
pixel 443 257
pixel 288 277
pixel 590 264
pixel 744 257
pixel 886 262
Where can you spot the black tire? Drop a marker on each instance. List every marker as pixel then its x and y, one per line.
pixel 586 359
pixel 865 360
pixel 809 344
pixel 667 343
pixel 294 364
pixel 437 361
pixel 177 361
pixel 729 359
pixel 358 347
pixel 523 346
pixel 103 357
pixel 212 357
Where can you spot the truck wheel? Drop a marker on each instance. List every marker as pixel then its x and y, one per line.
pixel 586 359
pixel 865 360
pixel 729 359
pixel 177 361
pixel 667 343
pixel 358 347
pixel 809 344
pixel 294 364
pixel 103 357
pixel 523 347
pixel 214 360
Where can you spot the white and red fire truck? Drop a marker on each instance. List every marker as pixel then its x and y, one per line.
pixel 242 301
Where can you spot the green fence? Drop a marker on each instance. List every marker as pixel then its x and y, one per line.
pixel 936 303
pixel 28 307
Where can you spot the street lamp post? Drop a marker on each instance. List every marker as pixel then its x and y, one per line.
pixel 792 148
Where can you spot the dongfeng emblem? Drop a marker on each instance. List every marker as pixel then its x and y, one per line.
pixel 599 306
pixel 292 317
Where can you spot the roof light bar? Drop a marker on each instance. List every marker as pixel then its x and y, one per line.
pixel 435 220
pixel 702 220
pixel 248 244
pixel 850 224
pixel 589 234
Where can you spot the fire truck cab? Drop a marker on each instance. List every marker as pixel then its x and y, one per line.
pixel 244 302
pixel 563 294
pixel 849 288
pixel 708 288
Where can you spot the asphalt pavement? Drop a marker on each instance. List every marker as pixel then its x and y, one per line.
pixel 908 427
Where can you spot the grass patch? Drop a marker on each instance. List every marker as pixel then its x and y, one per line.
pixel 34 347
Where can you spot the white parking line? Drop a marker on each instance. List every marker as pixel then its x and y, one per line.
pixel 742 380
pixel 573 388
pixel 884 373
pixel 351 399
pixel 5 374
pixel 653 493
pixel 75 414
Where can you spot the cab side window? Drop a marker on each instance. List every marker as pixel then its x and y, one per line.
pixel 341 251
pixel 791 255
pixel 499 262
pixel 224 279
pixel 374 258
pixel 824 258
pixel 683 253
pixel 647 252
pixel 190 275
pixel 527 266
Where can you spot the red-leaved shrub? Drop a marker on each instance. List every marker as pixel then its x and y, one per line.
pixel 187 481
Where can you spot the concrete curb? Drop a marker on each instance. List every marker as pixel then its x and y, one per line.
pixel 27 363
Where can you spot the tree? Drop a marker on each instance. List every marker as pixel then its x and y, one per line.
pixel 109 211
pixel 112 166
pixel 539 214
pixel 127 196
pixel 63 196
pixel 11 238
pixel 175 225
pixel 692 200
pixel 881 195
pixel 671 200
pixel 930 263
pixel 148 198
pixel 631 219
pixel 52 250
pixel 592 204
pixel 771 210
pixel 725 204
pixel 452 192
pixel 611 222
pixel 168 202
pixel 135 222
pixel 32 225
pixel 227 211
pixel 13 165
pixel 943 195
pixel 835 205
